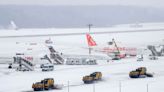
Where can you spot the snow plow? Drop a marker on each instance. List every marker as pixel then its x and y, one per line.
pixel 92 77
pixel 46 84
pixel 140 72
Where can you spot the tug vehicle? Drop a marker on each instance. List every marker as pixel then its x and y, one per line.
pixel 46 84
pixel 92 77
pixel 140 72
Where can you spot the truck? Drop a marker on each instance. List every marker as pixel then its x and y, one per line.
pixel 92 77
pixel 117 54
pixel 45 84
pixel 140 72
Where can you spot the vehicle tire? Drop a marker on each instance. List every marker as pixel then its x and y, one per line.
pixel 47 88
pixel 10 67
pixel 134 76
pixel 88 82
pixel 36 89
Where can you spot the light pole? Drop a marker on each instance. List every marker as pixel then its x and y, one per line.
pixel 68 86
pixel 120 86
pixel 93 87
pixel 89 26
pixel 147 87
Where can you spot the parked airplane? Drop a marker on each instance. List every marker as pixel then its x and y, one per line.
pixel 112 48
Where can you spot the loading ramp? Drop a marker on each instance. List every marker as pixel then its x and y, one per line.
pixel 55 56
pixel 154 51
pixel 23 63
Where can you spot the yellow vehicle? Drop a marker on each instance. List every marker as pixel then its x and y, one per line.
pixel 140 72
pixel 92 77
pixel 45 84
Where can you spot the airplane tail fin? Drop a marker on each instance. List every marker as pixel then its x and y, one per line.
pixel 90 40
pixel 13 25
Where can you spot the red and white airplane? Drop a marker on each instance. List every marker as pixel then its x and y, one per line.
pixel 111 49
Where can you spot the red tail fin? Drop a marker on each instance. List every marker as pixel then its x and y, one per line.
pixel 90 40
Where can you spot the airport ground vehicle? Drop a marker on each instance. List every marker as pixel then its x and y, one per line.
pixel 117 54
pixel 80 61
pixel 140 57
pixel 92 77
pixel 151 57
pixel 46 84
pixel 47 67
pixel 140 72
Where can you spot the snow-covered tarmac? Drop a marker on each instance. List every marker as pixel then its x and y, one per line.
pixel 115 74
pixel 115 77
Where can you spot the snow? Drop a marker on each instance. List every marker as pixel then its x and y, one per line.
pixel 115 73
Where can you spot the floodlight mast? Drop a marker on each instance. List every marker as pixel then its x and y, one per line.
pixel 89 26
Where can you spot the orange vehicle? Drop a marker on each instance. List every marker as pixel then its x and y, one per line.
pixel 140 72
pixel 92 77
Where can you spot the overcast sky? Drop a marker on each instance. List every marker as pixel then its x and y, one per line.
pixel 145 3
